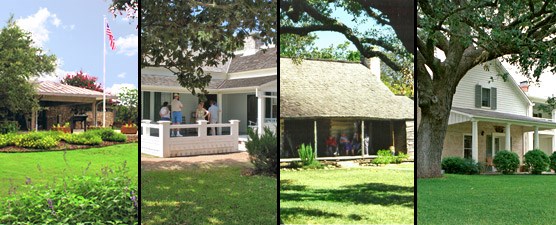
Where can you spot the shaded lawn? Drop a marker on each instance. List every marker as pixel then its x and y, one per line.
pixel 45 167
pixel 487 199
pixel 370 195
pixel 216 195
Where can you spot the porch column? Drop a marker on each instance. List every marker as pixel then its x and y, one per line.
pixel 34 120
pixel 316 138
pixel 536 138
pixel 260 112
pixel 94 109
pixel 475 141
pixel 151 107
pixel 219 104
pixel 508 139
pixel 554 131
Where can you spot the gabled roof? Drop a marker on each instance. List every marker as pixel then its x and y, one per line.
pixel 263 59
pixel 514 84
pixel 327 89
pixel 51 88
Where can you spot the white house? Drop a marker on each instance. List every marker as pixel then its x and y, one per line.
pixel 490 114
pixel 245 89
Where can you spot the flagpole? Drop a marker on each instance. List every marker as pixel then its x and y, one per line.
pixel 104 75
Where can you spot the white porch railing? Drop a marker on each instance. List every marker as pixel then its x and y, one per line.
pixel 156 140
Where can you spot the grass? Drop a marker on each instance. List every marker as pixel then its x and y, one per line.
pixel 487 199
pixel 368 195
pixel 45 167
pixel 218 195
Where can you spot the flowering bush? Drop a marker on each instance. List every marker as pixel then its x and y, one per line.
pixel 87 138
pixel 37 140
pixel 108 198
pixel 82 80
pixel 130 125
pixel 7 139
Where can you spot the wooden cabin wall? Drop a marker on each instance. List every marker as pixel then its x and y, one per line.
pixel 400 136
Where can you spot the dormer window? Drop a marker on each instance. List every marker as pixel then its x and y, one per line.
pixel 485 97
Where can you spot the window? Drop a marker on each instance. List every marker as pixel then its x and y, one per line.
pixel 485 99
pixel 538 115
pixel 467 146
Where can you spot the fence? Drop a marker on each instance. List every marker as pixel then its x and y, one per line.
pixel 156 139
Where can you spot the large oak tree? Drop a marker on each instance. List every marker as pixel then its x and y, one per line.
pixel 470 32
pixel 184 36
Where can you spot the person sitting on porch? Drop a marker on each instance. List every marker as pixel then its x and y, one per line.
pixel 176 113
pixel 356 142
pixel 201 112
pixel 331 145
pixel 344 141
pixel 213 116
pixel 164 112
pixel 349 148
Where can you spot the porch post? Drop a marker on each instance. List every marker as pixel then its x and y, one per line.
pixel 260 112
pixel 219 104
pixel 508 139
pixel 554 131
pixel 393 136
pixel 34 120
pixel 94 109
pixel 475 141
pixel 536 138
pixel 362 139
pixel 164 136
pixel 315 130
pixel 151 106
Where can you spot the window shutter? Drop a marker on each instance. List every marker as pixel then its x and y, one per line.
pixel 478 90
pixel 493 98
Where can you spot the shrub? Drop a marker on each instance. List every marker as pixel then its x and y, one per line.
pixel 537 161
pixel 263 151
pixel 36 140
pixel 459 165
pixel 104 199
pixel 553 161
pixel 401 157
pixel 9 127
pixel 306 154
pixel 384 157
pixel 506 162
pixel 7 139
pixel 86 138
pixel 108 134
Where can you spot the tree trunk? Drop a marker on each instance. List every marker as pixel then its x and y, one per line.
pixel 430 137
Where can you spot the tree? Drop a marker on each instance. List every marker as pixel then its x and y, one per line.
pixel 128 7
pixel 470 33
pixel 301 17
pixel 185 36
pixel 20 61
pixel 126 110
pixel 82 80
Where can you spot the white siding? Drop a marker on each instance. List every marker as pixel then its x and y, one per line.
pixel 509 99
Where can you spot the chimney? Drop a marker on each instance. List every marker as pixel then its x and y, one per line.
pixel 251 46
pixel 524 85
pixel 373 64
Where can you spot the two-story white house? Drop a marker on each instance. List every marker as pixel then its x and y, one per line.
pixel 490 114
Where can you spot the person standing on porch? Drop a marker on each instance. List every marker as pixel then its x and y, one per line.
pixel 213 116
pixel 164 112
pixel 201 112
pixel 176 114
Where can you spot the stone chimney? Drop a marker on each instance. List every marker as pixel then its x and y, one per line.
pixel 524 85
pixel 251 46
pixel 373 64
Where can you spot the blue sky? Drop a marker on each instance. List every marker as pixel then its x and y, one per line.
pixel 326 38
pixel 73 31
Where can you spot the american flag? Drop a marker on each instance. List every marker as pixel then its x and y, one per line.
pixel 110 37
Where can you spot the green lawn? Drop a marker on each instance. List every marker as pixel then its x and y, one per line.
pixel 45 167
pixel 369 195
pixel 487 199
pixel 218 195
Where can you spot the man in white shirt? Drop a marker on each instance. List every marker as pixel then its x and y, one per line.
pixel 176 114
pixel 213 118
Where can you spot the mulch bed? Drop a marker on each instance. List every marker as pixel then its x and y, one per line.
pixel 64 146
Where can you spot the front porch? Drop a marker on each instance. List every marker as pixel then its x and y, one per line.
pixel 480 134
